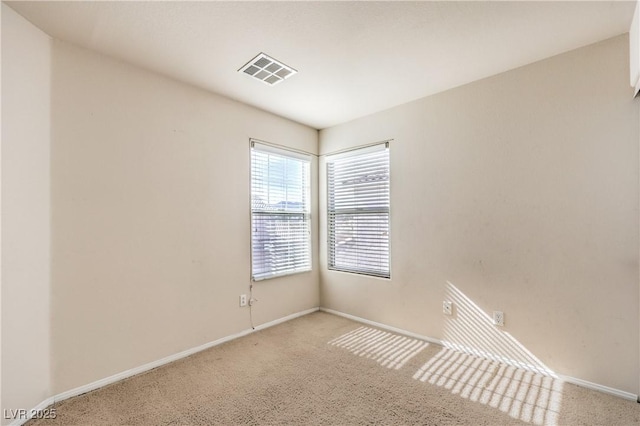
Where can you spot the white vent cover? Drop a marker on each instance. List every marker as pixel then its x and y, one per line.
pixel 268 70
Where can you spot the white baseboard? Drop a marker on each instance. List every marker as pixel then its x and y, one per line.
pixel 384 326
pixel 493 357
pixel 600 388
pixel 154 364
pixel 44 404
pixel 284 319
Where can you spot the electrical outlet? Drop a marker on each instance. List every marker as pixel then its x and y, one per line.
pixel 447 307
pixel 498 318
pixel 243 300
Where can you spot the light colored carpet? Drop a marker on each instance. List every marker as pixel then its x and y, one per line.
pixel 324 369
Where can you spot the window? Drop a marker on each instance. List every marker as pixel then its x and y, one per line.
pixel 280 212
pixel 358 211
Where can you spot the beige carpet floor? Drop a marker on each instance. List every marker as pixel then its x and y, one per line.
pixel 325 369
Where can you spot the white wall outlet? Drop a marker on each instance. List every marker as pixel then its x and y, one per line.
pixel 498 318
pixel 447 307
pixel 243 300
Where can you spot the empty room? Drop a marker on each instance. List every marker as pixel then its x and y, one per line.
pixel 338 213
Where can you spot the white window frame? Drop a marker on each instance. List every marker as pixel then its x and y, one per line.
pixel 288 255
pixel 359 208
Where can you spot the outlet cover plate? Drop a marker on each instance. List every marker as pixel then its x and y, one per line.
pixel 498 318
pixel 447 307
pixel 243 300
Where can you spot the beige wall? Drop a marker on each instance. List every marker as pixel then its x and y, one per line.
pixel 516 193
pixel 25 213
pixel 150 201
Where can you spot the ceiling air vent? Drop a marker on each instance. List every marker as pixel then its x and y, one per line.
pixel 268 70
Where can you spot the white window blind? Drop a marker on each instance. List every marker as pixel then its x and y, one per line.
pixel 280 212
pixel 358 211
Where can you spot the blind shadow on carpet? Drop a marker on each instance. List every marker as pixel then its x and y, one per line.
pixel 525 395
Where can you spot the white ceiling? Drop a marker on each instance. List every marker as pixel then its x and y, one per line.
pixel 353 58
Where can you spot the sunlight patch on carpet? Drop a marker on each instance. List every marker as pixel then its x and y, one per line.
pixel 524 395
pixel 387 349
